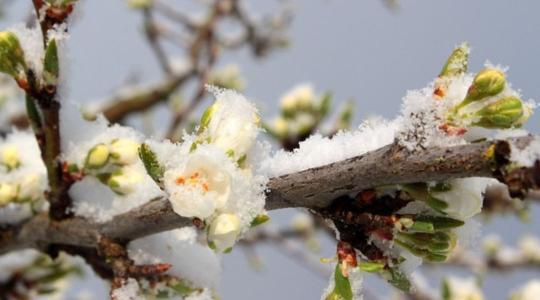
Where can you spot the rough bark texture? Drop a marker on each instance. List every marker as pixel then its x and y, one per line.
pixel 314 188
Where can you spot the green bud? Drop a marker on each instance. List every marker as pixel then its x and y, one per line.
pixel 260 219
pixel 97 157
pixel 504 113
pixel 206 117
pixel 12 60
pixel 50 64
pixel 440 223
pixel 457 61
pixel 371 267
pixel 487 83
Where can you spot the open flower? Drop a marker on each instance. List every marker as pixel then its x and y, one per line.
pixel 223 232
pixel 462 198
pixel 199 188
pixel 231 123
pixel 124 151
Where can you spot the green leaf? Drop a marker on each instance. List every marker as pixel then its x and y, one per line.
pixel 324 106
pixel 50 64
pixel 437 204
pixel 149 159
pixel 33 113
pixel 181 288
pixel 445 290
pixel 422 226
pixel 342 285
pixel 371 267
pixel 457 61
pixel 440 223
pixel 399 280
pixel 260 219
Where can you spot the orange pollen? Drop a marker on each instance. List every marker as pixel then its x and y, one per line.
pixel 180 180
pixel 205 187
pixel 195 175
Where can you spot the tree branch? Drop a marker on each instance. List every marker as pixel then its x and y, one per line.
pixel 314 188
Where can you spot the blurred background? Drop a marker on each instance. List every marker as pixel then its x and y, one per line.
pixel 369 51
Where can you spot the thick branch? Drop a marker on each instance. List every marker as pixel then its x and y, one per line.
pixel 314 188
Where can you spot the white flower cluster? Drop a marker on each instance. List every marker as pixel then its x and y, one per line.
pixel 23 177
pixel 529 291
pixel 214 176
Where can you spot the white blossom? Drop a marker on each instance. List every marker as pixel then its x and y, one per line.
pixel 465 197
pixel 199 187
pixel 231 123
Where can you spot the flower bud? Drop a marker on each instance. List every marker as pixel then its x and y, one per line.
pixel 487 83
pixel 124 181
pixel 10 158
pixel 30 188
pixel 301 98
pixel 223 232
pixel 504 113
pixel 124 151
pixel 12 60
pixel 457 61
pixel 51 67
pixel 97 157
pixel 8 193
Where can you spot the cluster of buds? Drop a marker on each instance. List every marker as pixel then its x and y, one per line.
pixel 301 111
pixel 485 104
pixel 14 64
pixel 113 164
pixel 12 60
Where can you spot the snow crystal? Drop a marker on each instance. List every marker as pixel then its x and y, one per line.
pixel 527 156
pixel 190 260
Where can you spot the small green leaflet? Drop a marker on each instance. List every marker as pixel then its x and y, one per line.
pixel 149 159
pixel 342 289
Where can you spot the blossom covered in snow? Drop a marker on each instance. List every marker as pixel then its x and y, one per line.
pixel 231 123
